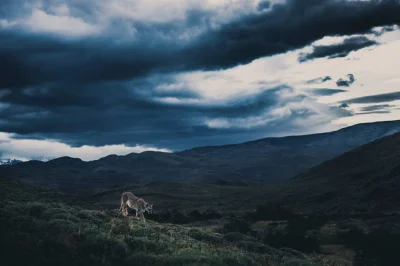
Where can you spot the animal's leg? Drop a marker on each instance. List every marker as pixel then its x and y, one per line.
pixel 123 208
pixel 136 216
pixel 143 219
pixel 124 211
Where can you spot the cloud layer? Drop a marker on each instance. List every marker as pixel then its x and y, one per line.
pixel 176 74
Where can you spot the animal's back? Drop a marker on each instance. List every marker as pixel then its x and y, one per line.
pixel 128 196
pixel 130 199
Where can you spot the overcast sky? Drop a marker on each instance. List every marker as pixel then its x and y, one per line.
pixel 96 77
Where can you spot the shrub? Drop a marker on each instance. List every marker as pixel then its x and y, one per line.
pixel 142 259
pixel 297 262
pixel 111 247
pixel 65 216
pixel 271 212
pixel 144 244
pixel 293 252
pixel 206 237
pixel 378 248
pixel 253 246
pixel 303 243
pixel 302 224
pixel 35 208
pixel 236 225
pixel 211 214
pixel 236 237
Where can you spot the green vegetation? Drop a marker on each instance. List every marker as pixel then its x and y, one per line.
pixel 39 228
pixel 44 227
pixel 378 247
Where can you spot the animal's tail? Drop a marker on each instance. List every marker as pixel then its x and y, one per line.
pixel 123 208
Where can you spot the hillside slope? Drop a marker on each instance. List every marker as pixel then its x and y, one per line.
pixel 363 180
pixel 270 159
pixel 38 227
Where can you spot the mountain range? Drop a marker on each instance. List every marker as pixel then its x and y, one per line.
pixel 269 159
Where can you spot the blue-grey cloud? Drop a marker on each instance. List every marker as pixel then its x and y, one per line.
pixel 338 50
pixel 326 91
pixel 377 98
pixel 382 30
pixel 377 107
pixel 319 80
pixel 346 82
pixel 374 112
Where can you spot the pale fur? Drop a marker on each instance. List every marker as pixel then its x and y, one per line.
pixel 136 203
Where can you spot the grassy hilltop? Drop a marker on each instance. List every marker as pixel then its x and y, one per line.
pixel 41 227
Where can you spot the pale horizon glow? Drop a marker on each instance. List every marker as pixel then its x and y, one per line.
pixel 44 150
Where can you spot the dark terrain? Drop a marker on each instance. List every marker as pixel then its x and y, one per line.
pixel 270 159
pixel 344 211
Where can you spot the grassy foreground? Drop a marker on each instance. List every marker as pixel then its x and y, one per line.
pixel 41 227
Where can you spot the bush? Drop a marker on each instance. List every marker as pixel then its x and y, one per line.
pixel 303 243
pixel 253 246
pixel 206 237
pixel 65 216
pixel 302 224
pixel 178 217
pixel 295 236
pixel 298 263
pixel 144 244
pixel 379 247
pixel 111 247
pixel 237 237
pixel 294 253
pixel 236 225
pixel 36 208
pixel 271 212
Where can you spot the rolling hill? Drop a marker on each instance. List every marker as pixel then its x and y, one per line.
pixel 363 180
pixel 269 159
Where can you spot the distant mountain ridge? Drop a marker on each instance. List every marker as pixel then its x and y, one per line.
pixel 269 159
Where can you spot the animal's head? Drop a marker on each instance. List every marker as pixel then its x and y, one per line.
pixel 148 207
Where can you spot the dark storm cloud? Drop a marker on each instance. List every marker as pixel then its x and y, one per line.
pixel 125 115
pixel 286 27
pixel 377 98
pixel 338 50
pixel 103 89
pixel 33 58
pixel 30 60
